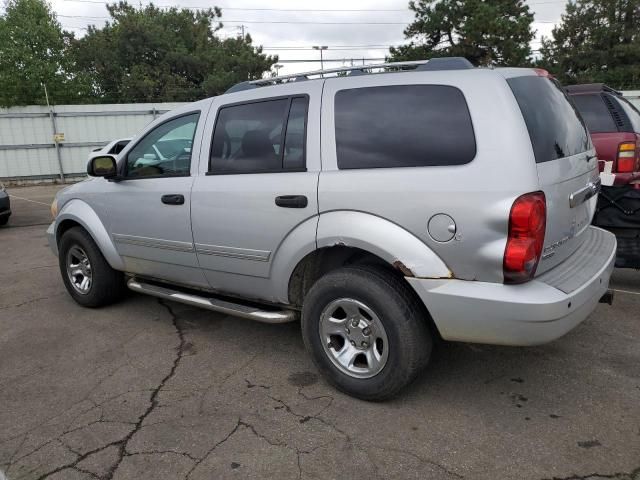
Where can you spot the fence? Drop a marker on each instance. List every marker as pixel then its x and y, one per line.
pixel 40 143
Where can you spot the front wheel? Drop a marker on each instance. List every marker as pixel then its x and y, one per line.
pixel 366 331
pixel 88 277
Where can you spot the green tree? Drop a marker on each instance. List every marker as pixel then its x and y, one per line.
pixel 596 41
pixel 33 52
pixel 153 54
pixel 486 33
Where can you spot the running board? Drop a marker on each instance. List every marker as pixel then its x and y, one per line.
pixel 217 305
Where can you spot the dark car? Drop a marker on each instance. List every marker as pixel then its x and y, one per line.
pixel 5 205
pixel 614 125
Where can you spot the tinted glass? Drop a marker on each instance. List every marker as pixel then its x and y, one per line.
pixel 248 137
pixel 555 127
pixel 595 113
pixel 294 143
pixel 632 113
pixel 152 157
pixel 403 126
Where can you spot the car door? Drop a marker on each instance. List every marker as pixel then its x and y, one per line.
pixel 258 186
pixel 149 205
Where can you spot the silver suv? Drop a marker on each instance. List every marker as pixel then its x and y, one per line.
pixel 387 207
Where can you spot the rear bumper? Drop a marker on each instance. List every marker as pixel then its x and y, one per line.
pixel 529 314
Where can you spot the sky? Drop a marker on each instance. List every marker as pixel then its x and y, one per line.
pixel 352 30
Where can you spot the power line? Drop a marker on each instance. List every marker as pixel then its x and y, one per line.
pixel 279 22
pixel 337 10
pixel 297 22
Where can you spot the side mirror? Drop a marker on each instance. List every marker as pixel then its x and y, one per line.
pixel 103 166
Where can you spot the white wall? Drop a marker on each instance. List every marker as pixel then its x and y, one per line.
pixel 633 96
pixel 27 148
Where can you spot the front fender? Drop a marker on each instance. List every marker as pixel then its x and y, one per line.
pixel 392 243
pixel 82 213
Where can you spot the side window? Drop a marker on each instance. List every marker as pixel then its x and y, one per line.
pixel 165 151
pixel 266 136
pixel 403 126
pixel 295 138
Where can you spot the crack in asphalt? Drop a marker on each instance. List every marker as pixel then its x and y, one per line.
pixel 633 475
pixel 162 452
pixel 27 302
pixel 153 403
pixel 216 445
pixel 25 435
pixel 316 416
pixel 235 371
pixel 122 451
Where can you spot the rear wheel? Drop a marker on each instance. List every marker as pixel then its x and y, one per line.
pixel 88 277
pixel 4 220
pixel 366 331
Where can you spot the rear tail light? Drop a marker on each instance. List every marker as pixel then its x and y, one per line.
pixel 541 72
pixel 627 158
pixel 527 225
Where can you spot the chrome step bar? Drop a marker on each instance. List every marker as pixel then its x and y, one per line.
pixel 215 304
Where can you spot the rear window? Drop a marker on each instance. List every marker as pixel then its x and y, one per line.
pixel 403 126
pixel 555 127
pixel 595 113
pixel 632 113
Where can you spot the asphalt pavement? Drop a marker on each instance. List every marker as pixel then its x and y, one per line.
pixel 155 390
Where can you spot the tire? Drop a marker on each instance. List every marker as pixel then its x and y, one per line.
pixel 106 285
pixel 380 298
pixel 4 220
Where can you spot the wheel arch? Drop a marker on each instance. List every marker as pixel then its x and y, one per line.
pixel 324 260
pixel 79 213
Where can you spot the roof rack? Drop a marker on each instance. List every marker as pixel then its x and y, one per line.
pixel 441 63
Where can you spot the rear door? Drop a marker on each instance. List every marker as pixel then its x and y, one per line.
pixel 258 184
pixel 566 163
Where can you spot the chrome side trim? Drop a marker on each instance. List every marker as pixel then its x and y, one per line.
pixel 217 305
pixel 153 242
pixel 242 253
pixel 585 193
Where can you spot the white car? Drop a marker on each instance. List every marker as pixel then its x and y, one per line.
pixel 112 148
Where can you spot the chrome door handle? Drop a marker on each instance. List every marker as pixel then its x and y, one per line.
pixel 173 199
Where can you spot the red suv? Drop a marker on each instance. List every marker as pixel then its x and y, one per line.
pixel 614 124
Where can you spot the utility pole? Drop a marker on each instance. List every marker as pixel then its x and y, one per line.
pixel 54 129
pixel 321 48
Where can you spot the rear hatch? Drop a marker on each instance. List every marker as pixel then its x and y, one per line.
pixel 566 163
pixel 612 121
